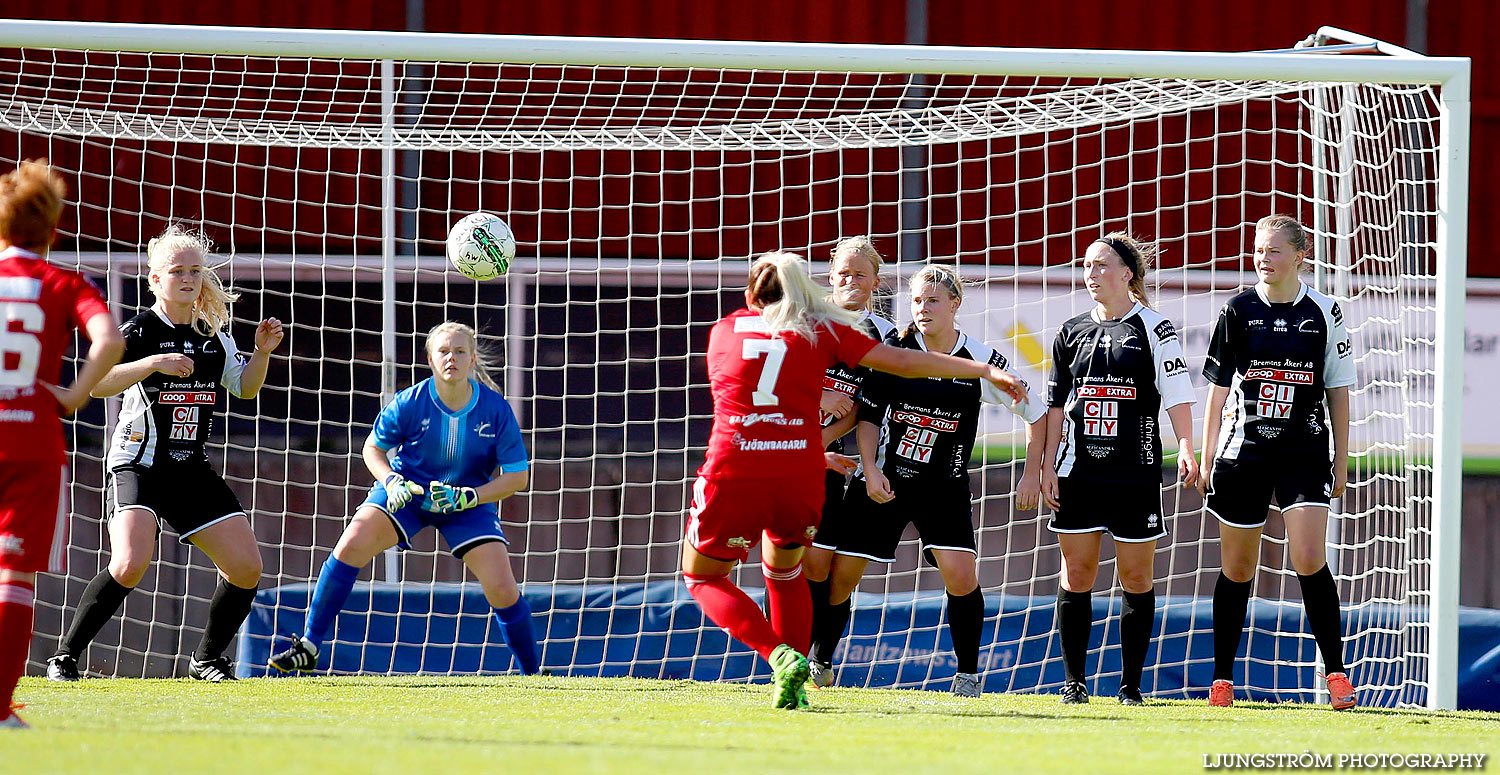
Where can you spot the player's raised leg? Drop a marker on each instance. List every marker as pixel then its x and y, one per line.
pixel 788 598
pixel 231 545
pixel 727 606
pixel 490 563
pixel 368 534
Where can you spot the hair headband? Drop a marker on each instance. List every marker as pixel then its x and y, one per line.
pixel 1127 254
pixel 946 280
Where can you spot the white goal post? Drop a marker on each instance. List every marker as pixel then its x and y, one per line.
pixel 639 175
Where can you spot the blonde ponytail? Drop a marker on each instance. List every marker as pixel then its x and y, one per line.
pixel 1138 256
pixel 788 298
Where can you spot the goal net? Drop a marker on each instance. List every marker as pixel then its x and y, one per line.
pixel 638 193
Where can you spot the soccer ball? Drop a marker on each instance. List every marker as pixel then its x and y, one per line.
pixel 480 246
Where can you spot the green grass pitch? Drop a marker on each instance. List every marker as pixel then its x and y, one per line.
pixel 546 724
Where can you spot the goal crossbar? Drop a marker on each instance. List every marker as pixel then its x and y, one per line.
pixel 1451 72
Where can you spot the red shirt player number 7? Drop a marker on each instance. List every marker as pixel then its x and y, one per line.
pixel 766 391
pixel 764 467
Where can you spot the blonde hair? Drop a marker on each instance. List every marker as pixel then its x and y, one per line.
pixel 31 204
pixel 859 246
pixel 939 274
pixel 211 308
pixel 483 357
pixel 1295 232
pixel 788 298
pixel 1138 256
pixel 935 274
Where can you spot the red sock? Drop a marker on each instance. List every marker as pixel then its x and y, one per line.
pixel 15 637
pixel 729 607
pixel 790 601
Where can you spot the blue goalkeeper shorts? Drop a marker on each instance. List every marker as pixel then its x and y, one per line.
pixel 462 531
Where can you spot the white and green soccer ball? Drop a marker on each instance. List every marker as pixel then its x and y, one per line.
pixel 481 246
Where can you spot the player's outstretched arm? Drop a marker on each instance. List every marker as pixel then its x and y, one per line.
pixel 915 363
pixel 105 348
pixel 268 336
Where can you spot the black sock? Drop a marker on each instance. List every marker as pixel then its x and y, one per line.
pixel 101 599
pixel 1320 596
pixel 965 620
pixel 1231 600
pixel 819 590
pixel 1075 617
pixel 226 612
pixel 828 631
pixel 1136 619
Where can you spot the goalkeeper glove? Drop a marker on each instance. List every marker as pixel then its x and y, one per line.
pixel 398 491
pixel 447 499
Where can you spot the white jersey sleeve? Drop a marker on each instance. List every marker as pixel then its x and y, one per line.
pixel 1338 354
pixel 234 365
pixel 1030 409
pixel 1172 380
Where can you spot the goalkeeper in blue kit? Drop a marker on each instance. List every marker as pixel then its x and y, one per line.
pixel 458 453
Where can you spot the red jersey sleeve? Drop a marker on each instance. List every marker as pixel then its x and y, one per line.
pixel 850 345
pixel 87 302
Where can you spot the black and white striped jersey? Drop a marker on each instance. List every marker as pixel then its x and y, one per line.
pixel 1277 360
pixel 928 424
pixel 168 418
pixel 846 378
pixel 1112 378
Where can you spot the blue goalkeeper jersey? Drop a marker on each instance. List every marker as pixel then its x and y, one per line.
pixel 464 448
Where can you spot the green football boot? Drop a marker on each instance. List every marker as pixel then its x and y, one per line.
pixel 790 671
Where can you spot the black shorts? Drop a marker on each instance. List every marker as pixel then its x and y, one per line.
pixel 1130 511
pixel 833 506
pixel 185 498
pixel 942 512
pixel 1240 491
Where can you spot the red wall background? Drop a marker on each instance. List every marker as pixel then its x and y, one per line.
pixel 1453 27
